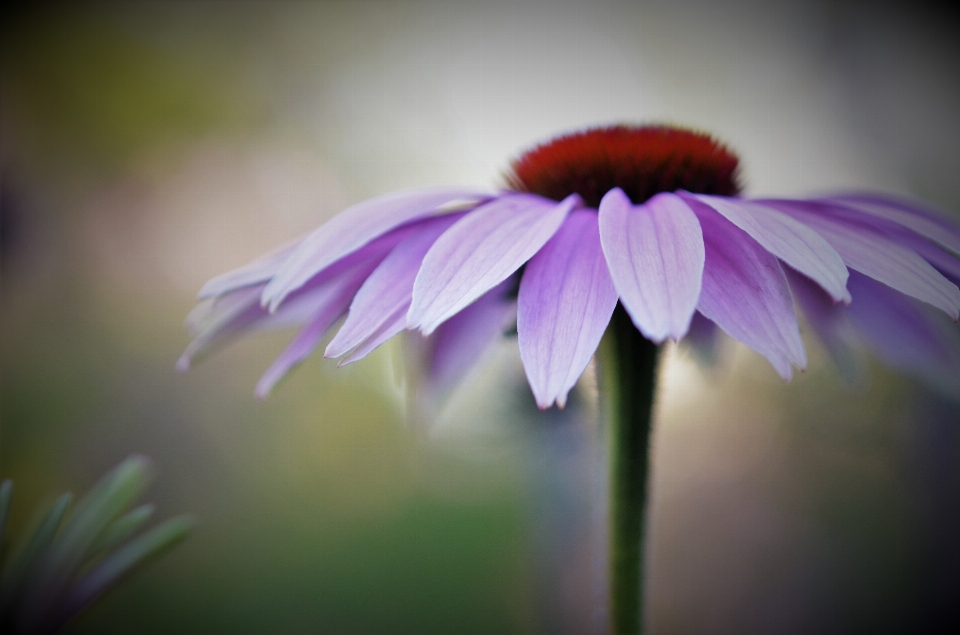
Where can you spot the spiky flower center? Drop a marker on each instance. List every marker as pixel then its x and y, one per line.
pixel 640 160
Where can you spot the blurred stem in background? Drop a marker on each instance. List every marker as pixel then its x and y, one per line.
pixel 63 563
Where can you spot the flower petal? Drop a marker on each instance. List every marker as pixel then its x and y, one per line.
pixel 211 310
pixel 389 288
pixel 871 251
pixel 257 272
pixel 914 215
pixel 393 325
pixel 943 261
pixel 481 250
pixel 241 310
pixel 355 227
pixel 328 310
pixel 829 321
pixel 703 339
pixel 565 303
pixel 788 239
pixel 655 253
pixel 745 292
pixel 245 314
pixel 901 332
pixel 457 343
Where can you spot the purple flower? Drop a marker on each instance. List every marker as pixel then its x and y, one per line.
pixel 649 217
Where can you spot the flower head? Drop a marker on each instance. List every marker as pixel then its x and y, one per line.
pixel 648 217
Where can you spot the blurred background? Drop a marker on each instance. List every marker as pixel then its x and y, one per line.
pixel 149 146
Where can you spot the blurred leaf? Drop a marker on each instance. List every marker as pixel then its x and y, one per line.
pixel 98 508
pixel 6 491
pixel 122 528
pixel 123 561
pixel 31 551
pixel 53 576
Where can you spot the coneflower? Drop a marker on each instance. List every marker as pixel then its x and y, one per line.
pixel 630 231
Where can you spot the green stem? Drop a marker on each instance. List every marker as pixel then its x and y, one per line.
pixel 628 364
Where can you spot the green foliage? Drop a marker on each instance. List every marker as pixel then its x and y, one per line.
pixel 62 563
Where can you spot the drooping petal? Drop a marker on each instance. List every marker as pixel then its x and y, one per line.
pixel 702 339
pixel 871 251
pixel 211 310
pixel 355 227
pixel 745 292
pixel 829 321
pixel 257 272
pixel 943 261
pixel 481 250
pixel 390 327
pixel 904 333
pixel 389 288
pixel 245 315
pixel 211 326
pixel 243 312
pixel 655 254
pixel 914 215
pixel 786 238
pixel 328 310
pixel 565 303
pixel 457 343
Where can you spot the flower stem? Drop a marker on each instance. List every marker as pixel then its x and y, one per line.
pixel 628 364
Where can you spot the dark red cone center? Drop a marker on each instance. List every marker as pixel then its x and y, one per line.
pixel 640 160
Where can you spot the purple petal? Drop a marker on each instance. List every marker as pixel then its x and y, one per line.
pixel 389 288
pixel 238 311
pixel 655 254
pixel 702 338
pixel 481 250
pixel 245 314
pixel 871 251
pixel 914 215
pixel 829 321
pixel 824 315
pixel 903 333
pixel 459 342
pixel 354 228
pixel 391 326
pixel 745 292
pixel 328 311
pixel 257 272
pixel 212 310
pixel 944 262
pixel 787 239
pixel 565 303
pixel 242 311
